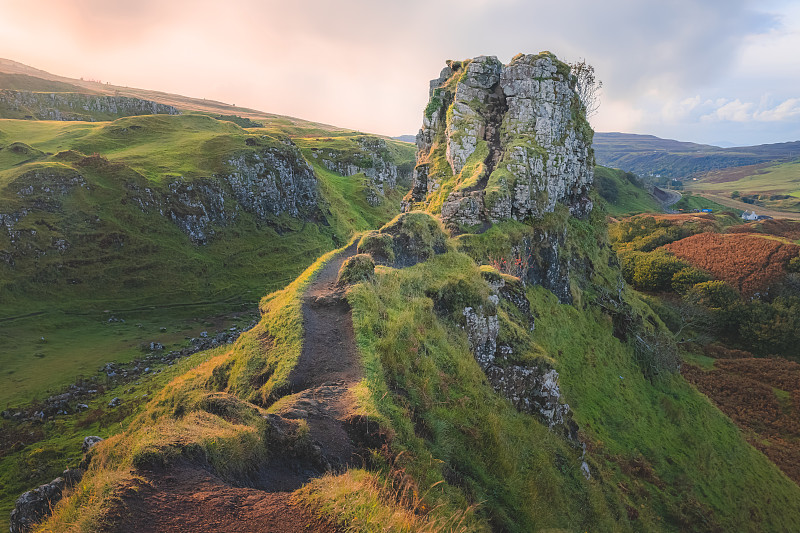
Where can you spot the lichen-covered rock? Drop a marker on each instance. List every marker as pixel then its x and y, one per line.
pixel 414 237
pixel 273 181
pixel 76 106
pixel 532 388
pixel 34 505
pixel 514 138
pixel 356 269
pixel 367 155
pixel 266 183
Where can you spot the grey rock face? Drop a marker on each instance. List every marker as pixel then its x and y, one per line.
pixel 530 388
pixel 266 183
pixel 75 106
pixel 371 157
pixel 273 182
pixel 517 133
pixel 34 505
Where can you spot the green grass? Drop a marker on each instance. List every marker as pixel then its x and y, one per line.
pixel 137 265
pixel 662 457
pixel 178 419
pixel 782 179
pixel 423 379
pixel 624 196
pixel 689 202
pixel 60 446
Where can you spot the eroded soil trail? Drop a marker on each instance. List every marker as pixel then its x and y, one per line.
pixel 187 498
pixel 328 366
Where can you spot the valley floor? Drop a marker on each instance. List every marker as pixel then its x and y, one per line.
pixel 726 200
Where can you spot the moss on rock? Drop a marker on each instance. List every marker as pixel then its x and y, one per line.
pixel 356 269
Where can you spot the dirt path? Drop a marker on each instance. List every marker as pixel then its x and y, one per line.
pixel 328 366
pixel 187 498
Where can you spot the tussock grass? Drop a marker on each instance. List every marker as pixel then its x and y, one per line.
pixel 360 501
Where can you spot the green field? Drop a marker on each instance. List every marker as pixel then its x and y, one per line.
pixel 689 202
pixel 774 187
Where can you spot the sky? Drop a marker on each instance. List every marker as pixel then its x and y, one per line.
pixel 710 71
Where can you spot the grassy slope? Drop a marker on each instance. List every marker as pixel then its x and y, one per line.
pixel 690 201
pixel 660 448
pixel 627 198
pixel 157 278
pixel 782 179
pixel 662 457
pixel 178 420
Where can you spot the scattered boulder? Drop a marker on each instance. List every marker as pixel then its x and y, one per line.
pixel 35 505
pixel 89 443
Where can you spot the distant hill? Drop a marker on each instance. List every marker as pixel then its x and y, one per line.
pixel 772 186
pixel 647 155
pixel 406 138
pixel 20 77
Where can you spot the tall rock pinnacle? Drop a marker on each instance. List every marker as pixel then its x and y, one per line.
pixel 503 142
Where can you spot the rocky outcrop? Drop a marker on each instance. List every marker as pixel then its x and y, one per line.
pixel 503 141
pixel 533 387
pixel 367 155
pixel 76 106
pixel 267 182
pixel 34 505
pixel 405 241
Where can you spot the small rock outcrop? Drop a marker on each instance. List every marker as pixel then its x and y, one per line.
pixel 34 505
pixel 267 182
pixel 368 155
pixel 503 142
pixel 76 106
pixel 409 239
pixel 531 387
pixel 90 442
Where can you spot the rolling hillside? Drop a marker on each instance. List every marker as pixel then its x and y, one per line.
pixel 163 220
pixel 765 186
pixel 647 155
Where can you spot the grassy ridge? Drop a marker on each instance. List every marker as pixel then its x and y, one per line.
pixel 662 457
pixel 140 266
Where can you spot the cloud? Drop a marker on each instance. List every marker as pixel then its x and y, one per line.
pixel 786 110
pixel 365 64
pixel 738 111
